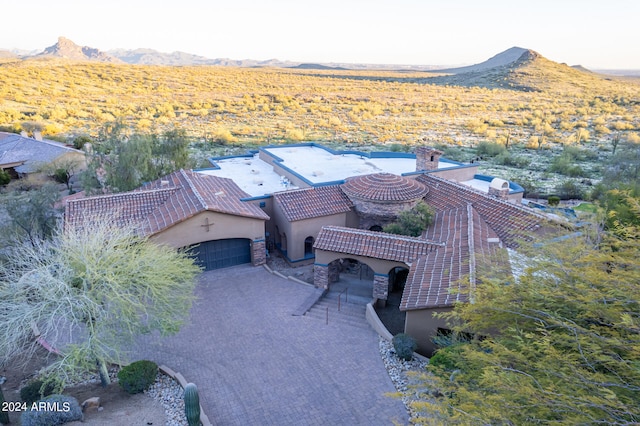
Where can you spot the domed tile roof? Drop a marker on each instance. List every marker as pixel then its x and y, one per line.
pixel 384 187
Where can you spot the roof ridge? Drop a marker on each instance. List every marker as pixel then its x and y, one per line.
pixel 472 253
pixel 193 188
pixel 124 194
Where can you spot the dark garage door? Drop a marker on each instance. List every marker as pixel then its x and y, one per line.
pixel 222 253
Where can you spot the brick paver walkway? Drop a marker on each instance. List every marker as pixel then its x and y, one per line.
pixel 256 364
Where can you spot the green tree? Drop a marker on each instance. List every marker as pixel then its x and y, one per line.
pixel 560 344
pixel 123 162
pixel 33 214
pixel 413 221
pixel 90 290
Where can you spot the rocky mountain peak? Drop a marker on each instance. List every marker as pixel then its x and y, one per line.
pixel 67 49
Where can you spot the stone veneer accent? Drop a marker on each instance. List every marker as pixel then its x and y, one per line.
pixel 380 286
pixel 258 252
pixel 427 158
pixel 501 193
pixel 321 276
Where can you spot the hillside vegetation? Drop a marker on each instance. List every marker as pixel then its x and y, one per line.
pixel 531 103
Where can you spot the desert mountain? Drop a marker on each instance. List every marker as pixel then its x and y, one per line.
pixel 529 72
pixel 504 58
pixel 67 49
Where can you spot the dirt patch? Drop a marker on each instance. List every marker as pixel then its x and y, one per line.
pixel 118 407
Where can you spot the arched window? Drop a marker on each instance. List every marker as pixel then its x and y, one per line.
pixel 376 228
pixel 308 246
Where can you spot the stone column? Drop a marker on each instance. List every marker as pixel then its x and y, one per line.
pixel 258 252
pixel 381 288
pixel 321 275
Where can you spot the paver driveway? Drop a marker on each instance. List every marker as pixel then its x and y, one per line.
pixel 256 364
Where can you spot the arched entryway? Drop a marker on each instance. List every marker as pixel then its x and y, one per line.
pixel 352 278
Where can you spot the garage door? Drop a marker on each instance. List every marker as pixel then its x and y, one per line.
pixel 222 253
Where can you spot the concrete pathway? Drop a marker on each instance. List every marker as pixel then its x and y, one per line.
pixel 257 364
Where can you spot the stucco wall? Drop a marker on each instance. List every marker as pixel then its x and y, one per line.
pixel 422 326
pixel 457 174
pixel 222 226
pixel 299 230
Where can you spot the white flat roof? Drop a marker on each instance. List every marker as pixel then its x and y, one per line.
pixel 251 174
pixel 481 185
pixel 314 163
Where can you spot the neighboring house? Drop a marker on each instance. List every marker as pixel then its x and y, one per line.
pixel 22 156
pixel 327 207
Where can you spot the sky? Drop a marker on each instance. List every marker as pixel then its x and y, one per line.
pixel 595 34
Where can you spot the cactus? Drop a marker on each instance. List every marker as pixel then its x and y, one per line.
pixel 192 404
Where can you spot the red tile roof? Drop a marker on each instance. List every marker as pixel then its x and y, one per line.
pixel 312 202
pixel 442 277
pixel 384 187
pixel 510 222
pixel 378 245
pixel 166 202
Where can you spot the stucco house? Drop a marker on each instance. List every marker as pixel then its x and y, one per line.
pixel 186 210
pixel 327 208
pixel 21 155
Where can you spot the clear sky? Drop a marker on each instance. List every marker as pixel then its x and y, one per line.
pixel 594 33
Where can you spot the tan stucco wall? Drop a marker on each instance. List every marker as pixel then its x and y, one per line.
pixel 422 326
pixel 223 226
pixel 457 174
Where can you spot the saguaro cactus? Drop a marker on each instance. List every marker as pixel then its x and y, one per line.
pixel 192 404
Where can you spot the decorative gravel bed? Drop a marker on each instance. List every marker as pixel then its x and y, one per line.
pixel 404 374
pixel 169 394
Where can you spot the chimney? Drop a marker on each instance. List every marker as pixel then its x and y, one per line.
pixel 37 135
pixel 427 158
pixel 499 188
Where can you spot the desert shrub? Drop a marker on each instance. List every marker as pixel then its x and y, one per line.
pixel 569 190
pixel 564 165
pixel 80 141
pixel 5 178
pixel 404 346
pixel 553 200
pixel 138 376
pixel 66 409
pixel 506 159
pixel 452 152
pixel 490 149
pixel 446 358
pixel 38 389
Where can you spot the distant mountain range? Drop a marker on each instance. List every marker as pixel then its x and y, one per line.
pixel 488 73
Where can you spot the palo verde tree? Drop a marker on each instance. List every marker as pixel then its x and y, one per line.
pixel 91 290
pixel 122 162
pixel 560 344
